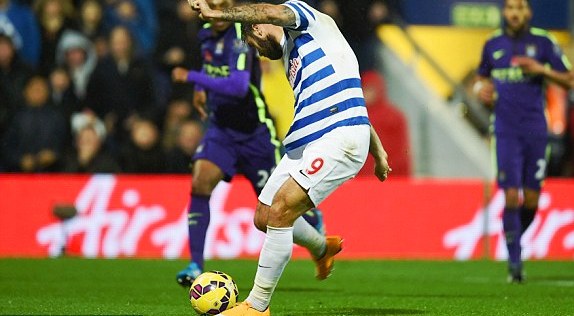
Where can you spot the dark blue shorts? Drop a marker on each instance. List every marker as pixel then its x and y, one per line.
pixel 254 155
pixel 521 161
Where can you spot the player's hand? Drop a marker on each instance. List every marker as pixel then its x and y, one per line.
pixel 486 92
pixel 382 168
pixel 179 74
pixel 201 6
pixel 199 103
pixel 528 65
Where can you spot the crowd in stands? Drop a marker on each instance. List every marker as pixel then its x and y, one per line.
pixel 85 85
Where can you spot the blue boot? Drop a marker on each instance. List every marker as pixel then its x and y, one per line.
pixel 186 276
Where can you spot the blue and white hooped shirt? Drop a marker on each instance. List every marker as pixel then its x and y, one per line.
pixel 324 74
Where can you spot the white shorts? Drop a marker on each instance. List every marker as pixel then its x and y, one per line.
pixel 322 165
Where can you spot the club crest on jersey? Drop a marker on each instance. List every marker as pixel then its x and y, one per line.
pixel 219 47
pixel 294 66
pixel 531 51
pixel 239 46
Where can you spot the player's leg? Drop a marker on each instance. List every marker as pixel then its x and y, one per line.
pixel 321 168
pixel 206 175
pixel 304 234
pixel 536 153
pixel 212 163
pixel 509 173
pixel 534 171
pixel 290 202
pixel 314 217
pixel 258 157
pixel 529 208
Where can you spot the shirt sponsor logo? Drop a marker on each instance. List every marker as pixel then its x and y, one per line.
pixel 294 66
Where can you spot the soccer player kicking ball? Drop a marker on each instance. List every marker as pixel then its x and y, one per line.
pixel 240 138
pixel 515 63
pixel 327 143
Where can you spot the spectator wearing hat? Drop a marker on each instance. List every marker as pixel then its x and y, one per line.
pixel 89 154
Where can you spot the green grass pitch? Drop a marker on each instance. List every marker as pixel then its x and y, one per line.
pixel 70 286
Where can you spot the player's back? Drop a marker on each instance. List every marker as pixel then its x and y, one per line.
pixel 324 74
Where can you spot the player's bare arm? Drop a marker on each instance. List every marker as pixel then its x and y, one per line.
pixel 376 150
pixel 261 13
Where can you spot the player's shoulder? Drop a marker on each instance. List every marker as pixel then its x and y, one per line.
pixel 235 31
pixel 542 34
pixel 495 35
pixel 494 38
pixel 205 32
pixel 301 7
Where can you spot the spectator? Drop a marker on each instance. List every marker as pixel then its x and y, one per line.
pixel 568 170
pixel 178 111
pixel 139 17
pixel 121 85
pixel 19 22
pixel 389 122
pixel 143 152
pixel 13 76
pixel 89 154
pixel 35 138
pixel 62 93
pixel 78 56
pixel 189 135
pixel 360 19
pixel 91 24
pixel 55 17
pixel 177 45
pixel 331 8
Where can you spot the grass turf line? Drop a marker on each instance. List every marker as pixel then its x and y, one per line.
pixel 70 286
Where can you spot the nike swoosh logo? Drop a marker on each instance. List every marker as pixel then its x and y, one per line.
pixel 263 266
pixel 498 54
pixel 301 172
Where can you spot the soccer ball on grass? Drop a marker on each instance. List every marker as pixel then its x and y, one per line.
pixel 213 292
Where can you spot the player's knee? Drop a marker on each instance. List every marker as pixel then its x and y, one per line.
pixel 200 189
pixel 531 203
pixel 260 224
pixel 280 215
pixel 202 186
pixel 531 198
pixel 261 216
pixel 511 198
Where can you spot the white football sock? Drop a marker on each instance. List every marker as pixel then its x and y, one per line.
pixel 273 258
pixel 306 236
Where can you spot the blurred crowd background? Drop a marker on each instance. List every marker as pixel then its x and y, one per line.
pixel 85 86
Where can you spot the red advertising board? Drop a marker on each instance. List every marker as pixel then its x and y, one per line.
pixel 145 216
